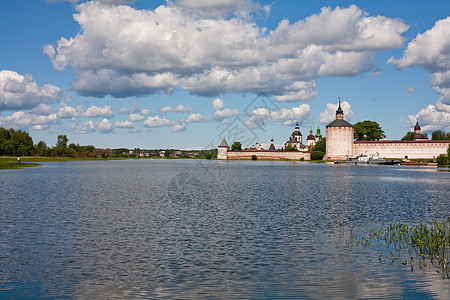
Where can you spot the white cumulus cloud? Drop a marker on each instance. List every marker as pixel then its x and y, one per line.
pixel 136 117
pixel 27 121
pixel 329 115
pixel 431 50
pixel 178 108
pixel 156 122
pixel 123 51
pixel 105 126
pixel 82 128
pixel 220 113
pixel 124 124
pixel 196 117
pixel 286 116
pixel 178 127
pixel 19 92
pixel 105 111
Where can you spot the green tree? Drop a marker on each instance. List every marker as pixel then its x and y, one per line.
pixel 442 160
pixel 62 141
pixel 237 146
pixel 320 145
pixel 289 147
pixel 41 149
pixel 409 136
pixel 438 135
pixel 317 155
pixel 16 143
pixel 368 131
pixel 168 152
pixel 61 145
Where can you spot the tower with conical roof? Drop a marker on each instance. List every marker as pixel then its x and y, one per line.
pixel 340 135
pixel 222 150
pixel 272 146
pixel 418 135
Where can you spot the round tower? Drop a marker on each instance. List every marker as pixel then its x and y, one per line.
pixel 340 135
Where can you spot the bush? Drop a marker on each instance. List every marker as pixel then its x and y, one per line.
pixel 442 160
pixel 254 157
pixel 317 155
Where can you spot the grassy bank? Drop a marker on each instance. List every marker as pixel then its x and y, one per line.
pixel 5 165
pixel 8 162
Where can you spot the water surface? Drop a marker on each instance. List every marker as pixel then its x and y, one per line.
pixel 209 229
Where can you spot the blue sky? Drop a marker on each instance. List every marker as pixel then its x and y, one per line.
pixel 185 73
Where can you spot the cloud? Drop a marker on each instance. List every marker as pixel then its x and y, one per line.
pixel 196 118
pixel 81 128
pixel 95 111
pixel 218 104
pixel 285 116
pixel 100 1
pixel 178 127
pixel 157 122
pixel 329 115
pixel 21 92
pixel 67 112
pixel 179 108
pixel 122 51
pixel 124 111
pixel 430 50
pixel 410 89
pixel 41 109
pixel 105 126
pixel 27 121
pixel 432 118
pixel 220 113
pixel 220 8
pixel 136 117
pixel 124 124
pixel 145 112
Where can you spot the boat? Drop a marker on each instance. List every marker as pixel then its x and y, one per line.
pixel 365 159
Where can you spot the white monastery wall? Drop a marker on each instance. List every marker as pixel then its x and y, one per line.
pixel 269 154
pixel 401 149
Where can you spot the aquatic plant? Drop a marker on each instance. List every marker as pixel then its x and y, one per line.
pixel 425 244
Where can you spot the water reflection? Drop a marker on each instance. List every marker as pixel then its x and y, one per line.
pixel 170 229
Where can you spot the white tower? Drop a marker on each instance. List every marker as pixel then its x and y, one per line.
pixel 222 150
pixel 340 137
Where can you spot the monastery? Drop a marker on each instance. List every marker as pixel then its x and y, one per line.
pixel 340 145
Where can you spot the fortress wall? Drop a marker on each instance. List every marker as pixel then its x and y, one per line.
pixel 269 154
pixel 401 149
pixel 339 143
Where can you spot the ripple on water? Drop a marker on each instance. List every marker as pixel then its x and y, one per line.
pixel 189 229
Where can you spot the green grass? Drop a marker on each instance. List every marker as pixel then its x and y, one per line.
pixel 426 245
pixel 5 165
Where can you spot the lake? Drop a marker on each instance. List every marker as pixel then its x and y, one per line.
pixel 210 229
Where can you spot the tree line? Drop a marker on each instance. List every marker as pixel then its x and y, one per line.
pixel 19 143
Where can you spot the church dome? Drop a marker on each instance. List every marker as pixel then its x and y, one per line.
pixel 417 127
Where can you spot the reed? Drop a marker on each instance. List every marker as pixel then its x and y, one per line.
pixel 426 245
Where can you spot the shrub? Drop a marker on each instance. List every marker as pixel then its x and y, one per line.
pixel 317 155
pixel 254 157
pixel 442 160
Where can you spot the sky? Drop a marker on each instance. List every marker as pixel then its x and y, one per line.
pixel 186 73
